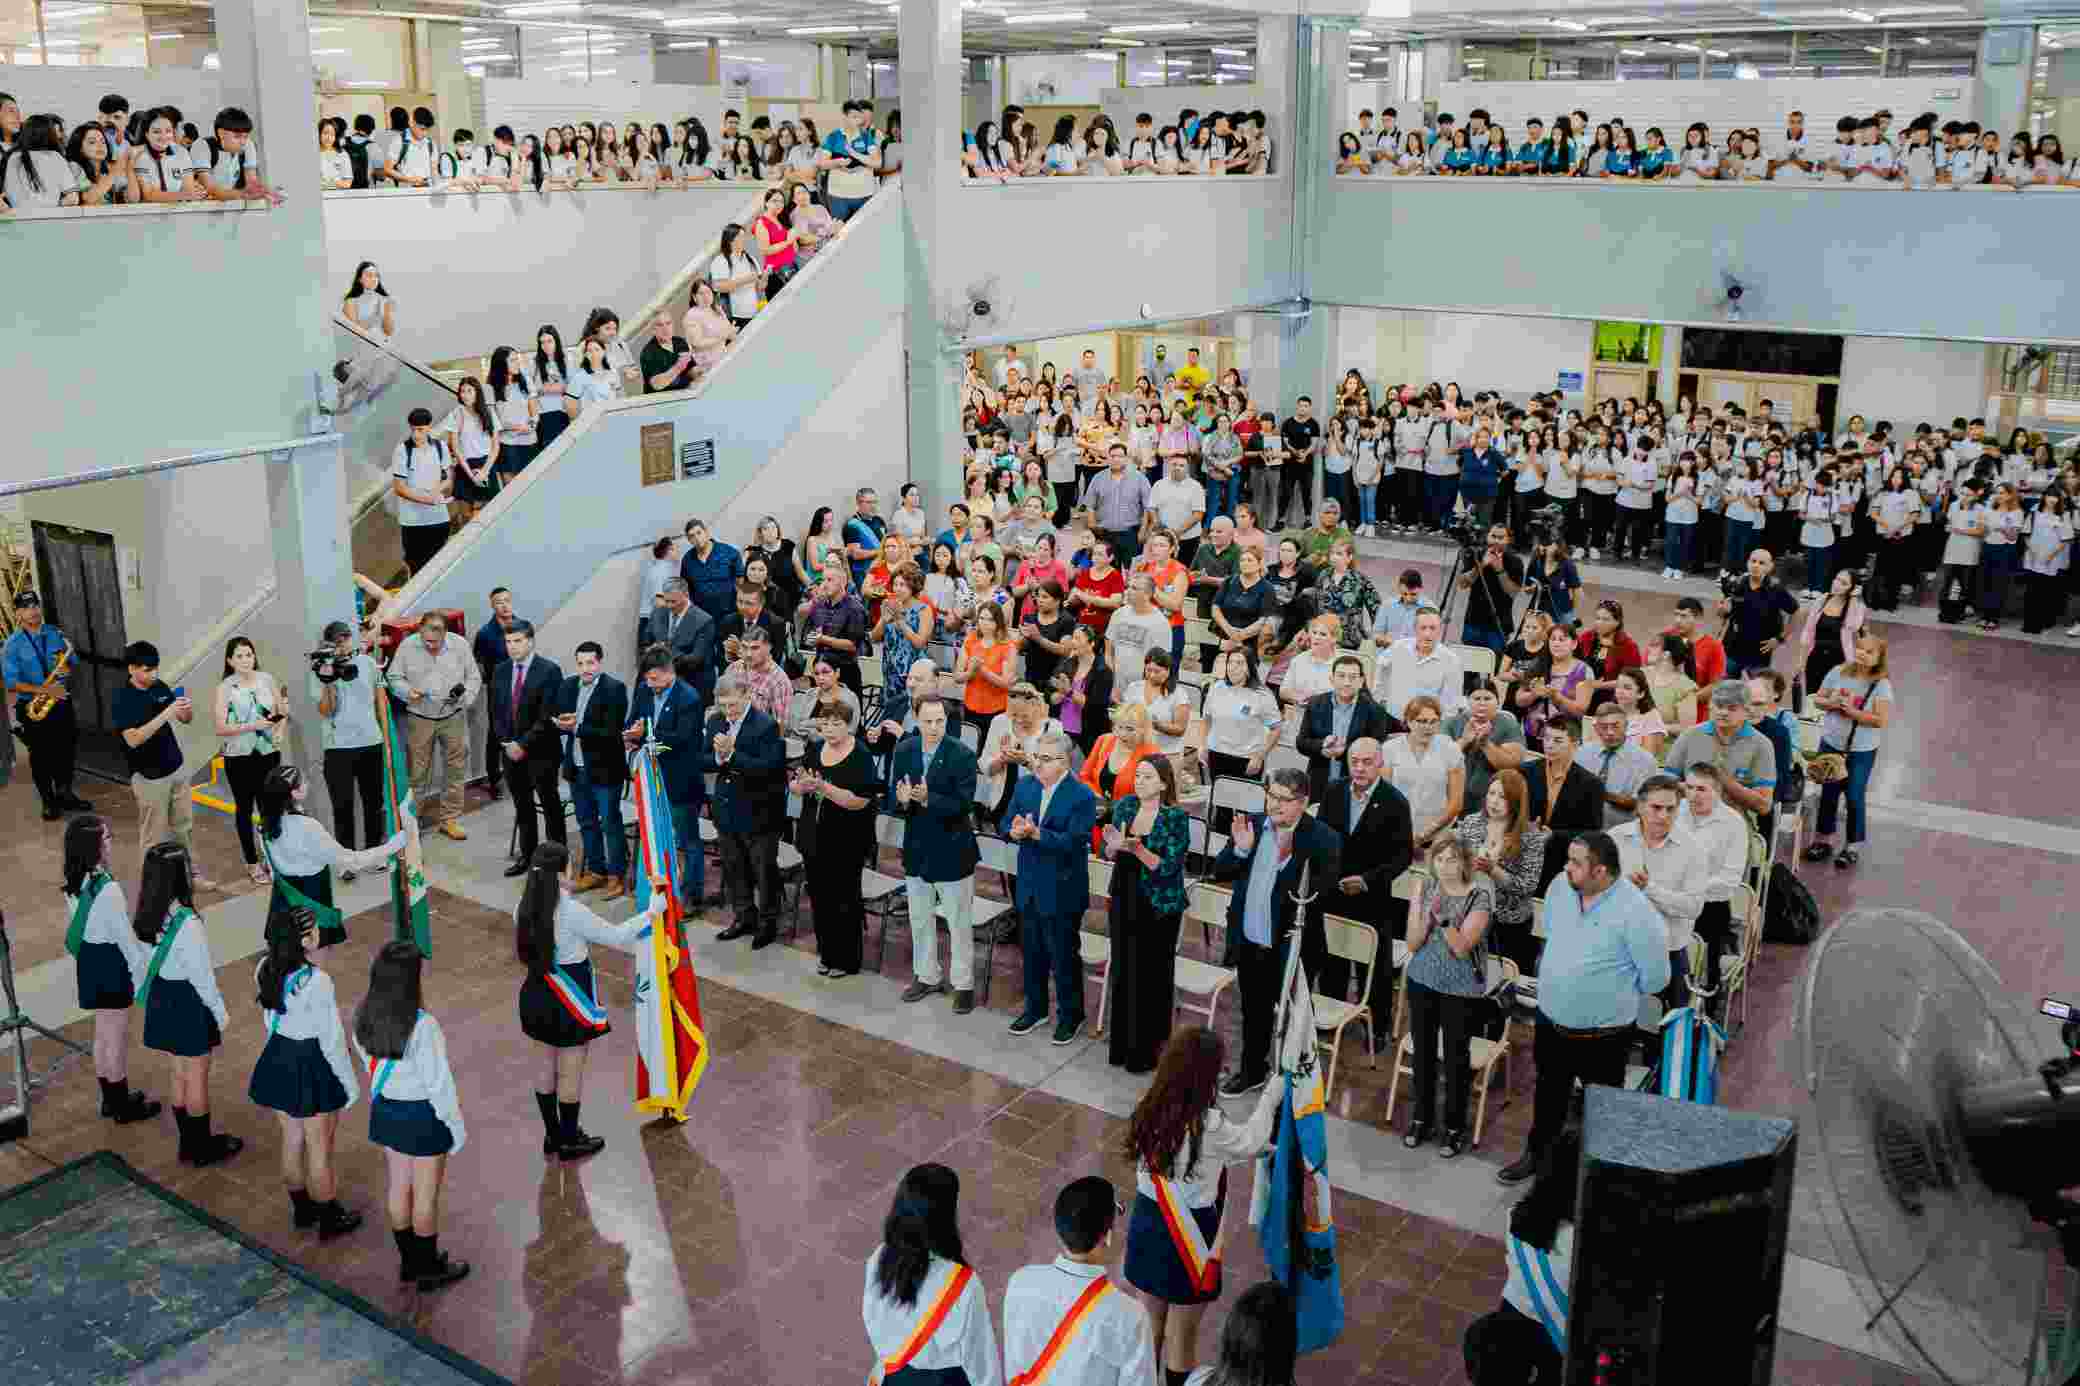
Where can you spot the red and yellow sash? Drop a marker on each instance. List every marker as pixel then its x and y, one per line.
pixel 926 1326
pixel 1201 1266
pixel 1063 1332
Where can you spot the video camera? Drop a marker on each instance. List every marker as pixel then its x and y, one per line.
pixel 1544 526
pixel 328 667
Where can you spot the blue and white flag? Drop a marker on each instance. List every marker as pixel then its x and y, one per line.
pixel 1691 1043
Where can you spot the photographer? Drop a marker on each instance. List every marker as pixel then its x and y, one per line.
pixel 1491 583
pixel 1759 610
pixel 343 683
pixel 249 711
pixel 436 678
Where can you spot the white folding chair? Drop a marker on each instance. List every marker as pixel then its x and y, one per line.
pixel 1358 944
pixel 1283 757
pixel 971 737
pixel 1477 659
pixel 1483 1056
pixel 1242 796
pixel 1097 948
pixel 1208 904
pixel 880 893
pixel 1001 856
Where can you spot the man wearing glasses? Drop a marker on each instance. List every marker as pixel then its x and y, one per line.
pixel 1050 818
pixel 1268 854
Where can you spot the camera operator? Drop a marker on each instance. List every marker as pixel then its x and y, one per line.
pixel 1759 610
pixel 435 675
pixel 343 683
pixel 1491 583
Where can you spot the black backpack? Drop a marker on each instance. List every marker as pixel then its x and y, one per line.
pixel 1793 917
pixel 357 155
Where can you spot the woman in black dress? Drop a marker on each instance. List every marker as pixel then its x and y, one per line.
pixel 836 832
pixel 1147 841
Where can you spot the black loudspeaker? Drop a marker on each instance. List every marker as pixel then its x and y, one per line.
pixel 1680 1224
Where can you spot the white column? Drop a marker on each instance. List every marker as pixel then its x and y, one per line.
pixel 307 514
pixel 928 36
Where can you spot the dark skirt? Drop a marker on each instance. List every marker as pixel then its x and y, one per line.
pixel 293 1078
pixel 409 1128
pixel 548 428
pixel 926 1376
pixel 104 978
pixel 176 1021
pixel 1144 970
pixel 468 491
pixel 545 1019
pixel 1152 1264
pixel 318 888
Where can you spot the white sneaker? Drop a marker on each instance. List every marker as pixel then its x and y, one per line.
pixel 1595 553
pixel 2074 630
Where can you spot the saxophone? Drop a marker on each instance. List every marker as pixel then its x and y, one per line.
pixel 40 706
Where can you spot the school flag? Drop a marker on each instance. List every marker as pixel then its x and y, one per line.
pixel 671 1045
pixel 1691 1043
pixel 414 918
pixel 1290 1203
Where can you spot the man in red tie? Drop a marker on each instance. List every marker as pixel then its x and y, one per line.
pixel 523 723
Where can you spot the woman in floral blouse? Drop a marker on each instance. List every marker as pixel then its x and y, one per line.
pixel 1147 840
pixel 1344 592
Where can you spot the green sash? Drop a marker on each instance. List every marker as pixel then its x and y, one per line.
pixel 76 934
pixel 181 915
pixel 328 916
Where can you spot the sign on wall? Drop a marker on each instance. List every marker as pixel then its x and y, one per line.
pixel 1570 381
pixel 697 459
pixel 656 451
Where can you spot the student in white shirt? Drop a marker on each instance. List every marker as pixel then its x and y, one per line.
pixel 471 433
pixel 1700 162
pixel 184 1015
pixel 1062 157
pixel 160 170
pixel 38 174
pixel 919 1269
pixel 1877 166
pixel 304 1075
pixel 410 164
pixel 227 163
pixel 110 961
pixel 419 479
pixel 595 381
pixel 514 400
pixel 1107 1342
pixel 335 169
pixel 734 273
pixel 1788 161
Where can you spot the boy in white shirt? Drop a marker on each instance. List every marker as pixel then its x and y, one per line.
pixel 229 162
pixel 1876 164
pixel 1844 157
pixel 411 165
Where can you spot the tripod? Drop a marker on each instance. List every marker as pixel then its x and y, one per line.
pixel 15 1026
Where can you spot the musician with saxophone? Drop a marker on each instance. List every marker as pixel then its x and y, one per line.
pixel 36 662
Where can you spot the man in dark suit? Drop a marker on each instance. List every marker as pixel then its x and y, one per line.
pixel 752 610
pixel 668 712
pixel 523 693
pixel 688 632
pixel 591 709
pixel 932 788
pixel 1337 720
pixel 489 650
pixel 1577 808
pixel 1378 845
pixel 1265 858
pixel 1050 818
pixel 743 748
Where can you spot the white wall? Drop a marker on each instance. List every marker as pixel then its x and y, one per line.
pixel 1481 351
pixel 75 92
pixel 1911 381
pixel 1723 105
pixel 1061 79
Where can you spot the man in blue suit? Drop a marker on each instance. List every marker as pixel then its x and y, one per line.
pixel 932 788
pixel 591 707
pixel 743 749
pixel 1265 857
pixel 1050 818
pixel 669 711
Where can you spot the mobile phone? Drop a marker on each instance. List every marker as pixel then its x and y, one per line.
pixel 181 692
pixel 2057 1010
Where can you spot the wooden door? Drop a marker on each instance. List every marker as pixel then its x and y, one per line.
pixel 1618 383
pixel 82 596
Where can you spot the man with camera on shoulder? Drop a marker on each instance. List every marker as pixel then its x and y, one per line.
pixel 1759 609
pixel 343 683
pixel 1491 583
pixel 436 677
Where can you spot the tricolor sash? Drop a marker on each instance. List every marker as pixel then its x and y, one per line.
pixel 1201 1266
pixel 167 933
pixel 1063 1332
pixel 274 1018
pixel 76 932
pixel 934 1315
pixel 584 1008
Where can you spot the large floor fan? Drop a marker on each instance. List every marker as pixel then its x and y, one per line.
pixel 1948 1121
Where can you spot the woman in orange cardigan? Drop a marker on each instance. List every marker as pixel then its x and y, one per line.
pixel 1109 769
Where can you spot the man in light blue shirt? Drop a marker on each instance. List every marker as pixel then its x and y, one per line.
pixel 1397 619
pixel 1606 947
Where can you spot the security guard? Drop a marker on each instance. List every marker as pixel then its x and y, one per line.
pixel 30 663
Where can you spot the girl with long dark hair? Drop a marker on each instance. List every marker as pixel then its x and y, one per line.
pixel 302 853
pixel 304 1075
pixel 471 430
pixel 184 1013
pixel 250 709
pixel 368 304
pixel 560 1008
pixel 512 399
pixel 918 1274
pixel 413 1110
pixel 552 372
pixel 1181 1144
pixel 1259 1341
pixel 109 959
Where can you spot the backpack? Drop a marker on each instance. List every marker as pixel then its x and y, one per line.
pixel 357 155
pixel 209 142
pixel 1793 917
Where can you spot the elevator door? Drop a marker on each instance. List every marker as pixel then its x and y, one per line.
pixel 82 596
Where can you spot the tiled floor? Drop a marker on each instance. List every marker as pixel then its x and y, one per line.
pixel 730 1249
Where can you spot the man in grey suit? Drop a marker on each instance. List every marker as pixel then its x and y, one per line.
pixel 689 633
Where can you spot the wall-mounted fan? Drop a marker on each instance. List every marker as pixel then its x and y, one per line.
pixel 976 311
pixel 2018 364
pixel 1738 297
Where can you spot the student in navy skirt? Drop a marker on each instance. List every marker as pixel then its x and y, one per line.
pixel 109 960
pixel 920 1272
pixel 183 1010
pixel 560 1008
pixel 1181 1144
pixel 413 1110
pixel 301 854
pixel 304 1074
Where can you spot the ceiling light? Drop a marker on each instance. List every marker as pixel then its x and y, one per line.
pixel 327 52
pixel 73 12
pixel 703 20
pixel 557 8
pixel 1633 52
pixel 63 43
pixel 1717 53
pixel 578 37
pixel 827 29
pixel 1124 43
pixel 160 38
pixel 1230 52
pixel 328 28
pixel 1598 21
pixel 482 43
pixel 688 43
pixel 472 29
pixel 1237 67
pixel 1568 24
pixel 1047 17
pixel 1911 11
pixel 1103 57
pixel 1167 28
pixel 1476 62
pixel 1879 51
pixel 1361 33
pixel 1355 48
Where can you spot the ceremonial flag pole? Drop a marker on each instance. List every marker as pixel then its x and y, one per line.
pixel 671 1043
pixel 408 882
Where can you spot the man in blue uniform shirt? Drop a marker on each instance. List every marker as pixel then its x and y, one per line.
pixel 30 661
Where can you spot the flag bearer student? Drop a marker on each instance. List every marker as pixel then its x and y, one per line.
pixel 413 1110
pixel 183 1011
pixel 1067 1321
pixel 560 1008
pixel 1182 1143
pixel 109 959
pixel 301 854
pixel 926 1315
pixel 304 1075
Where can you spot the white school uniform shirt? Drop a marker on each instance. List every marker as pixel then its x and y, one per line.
pixel 1700 163
pixel 1962 548
pixel 188 961
pixel 578 928
pixel 1112 1346
pixel 1818 530
pixel 1599 459
pixel 305 848
pixel 469 434
pixel 1919 161
pixel 334 167
pixel 414 158
pixel 1894 511
pixel 1876 158
pixel 743 300
pixel 2004 526
pixel 1560 483
pixel 1682 501
pixel 1847 495
pixel 514 426
pixel 422 1074
pixel 1531 476
pixel 310 1011
pixel 551 404
pixel 964 1338
pixel 1677 875
pixel 225 171
pixel 1439 455
pixel 58 174
pixel 595 387
pixel 1637 475
pixel 422 470
pixel 1744 500
pixel 1238 720
pixel 1790 147
pixel 1969 165
pixel 1408 444
pixel 109 922
pixel 2047 534
pixel 1222 1141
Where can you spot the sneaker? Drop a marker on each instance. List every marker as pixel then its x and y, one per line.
pixel 1595 553
pixel 2073 631
pixel 1068 1030
pixel 1819 851
pixel 918 991
pixel 347 875
pixel 1846 859
pixel 1026 1024
pixel 1518 1170
pixel 963 1001
pixel 1239 1083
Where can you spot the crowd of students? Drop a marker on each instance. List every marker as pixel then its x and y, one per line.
pixel 122 157
pixel 1215 143
pixel 1864 151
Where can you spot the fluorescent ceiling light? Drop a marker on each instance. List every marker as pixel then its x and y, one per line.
pixel 328 28
pixel 1598 21
pixel 1717 53
pixel 827 29
pixel 1237 67
pixel 1167 28
pixel 1355 48
pixel 689 43
pixel 1230 52
pixel 1476 62
pixel 1932 67
pixel 482 43
pixel 1124 43
pixel 61 43
pixel 160 38
pixel 327 52
pixel 1912 11
pixel 73 12
pixel 472 29
pixel 1861 16
pixel 1569 24
pixel 1103 57
pixel 1495 23
pixel 1361 33
pixel 1047 17
pixel 540 9
pixel 1879 51
pixel 1924 42
pixel 704 20
pixel 1633 52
